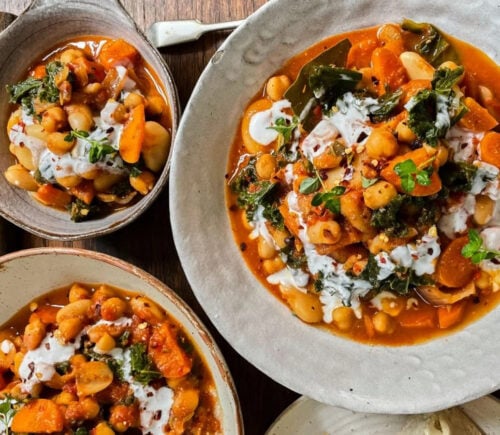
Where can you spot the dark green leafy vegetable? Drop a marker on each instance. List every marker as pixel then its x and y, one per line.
pixel 81 211
pixel 115 366
pixel 142 368
pixel 81 431
pixel 401 281
pixel 256 194
pixel 389 218
pixel 301 95
pixel 411 174
pixel 432 112
pixel 431 44
pixel 98 148
pixel 458 176
pixel 330 199
pixel 27 91
pixel 294 258
pixel 386 104
pixel 274 216
pixel 63 367
pixel 329 83
pixel 475 250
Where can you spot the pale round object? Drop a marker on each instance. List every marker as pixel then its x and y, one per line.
pixel 408 379
pixel 27 274
pixel 481 416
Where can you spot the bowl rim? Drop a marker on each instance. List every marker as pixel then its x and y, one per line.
pixel 416 370
pixel 215 353
pixel 119 219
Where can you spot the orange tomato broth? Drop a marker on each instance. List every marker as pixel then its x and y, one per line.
pixel 205 416
pixel 479 70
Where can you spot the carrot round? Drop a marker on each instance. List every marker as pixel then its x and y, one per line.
pixel 50 195
pixel 132 136
pixel 360 53
pixel 422 318
pixel 419 157
pixel 38 416
pixel 490 148
pixel 477 118
pixel 388 69
pixel 449 315
pixel 453 269
pixel 117 52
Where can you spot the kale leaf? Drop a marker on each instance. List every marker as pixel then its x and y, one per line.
pixel 142 368
pixel 457 176
pixel 385 105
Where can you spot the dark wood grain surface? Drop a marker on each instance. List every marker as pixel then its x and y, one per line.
pixel 148 242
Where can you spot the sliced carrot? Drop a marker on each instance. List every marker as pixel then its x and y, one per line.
pixel 166 353
pixel 477 118
pixel 419 156
pixel 449 315
pixel 117 52
pixel 453 269
pixel 39 72
pixel 490 148
pixel 387 69
pixel 132 136
pixel 84 191
pixel 420 318
pixel 38 416
pixel 50 195
pixel 46 313
pixel 360 54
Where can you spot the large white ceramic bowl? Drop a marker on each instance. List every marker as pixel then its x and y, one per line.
pixel 44 25
pixel 27 274
pixel 407 379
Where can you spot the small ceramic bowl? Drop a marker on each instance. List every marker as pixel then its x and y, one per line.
pixel 42 26
pixel 25 275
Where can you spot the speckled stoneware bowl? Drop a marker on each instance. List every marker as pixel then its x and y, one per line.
pixel 43 25
pixel 27 274
pixel 407 379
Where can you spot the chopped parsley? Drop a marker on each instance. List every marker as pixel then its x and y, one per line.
pixel 475 250
pixel 142 368
pixel 99 148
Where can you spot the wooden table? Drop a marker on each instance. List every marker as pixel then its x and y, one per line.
pixel 148 242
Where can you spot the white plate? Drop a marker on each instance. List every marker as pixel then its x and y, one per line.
pixel 306 416
pixel 409 379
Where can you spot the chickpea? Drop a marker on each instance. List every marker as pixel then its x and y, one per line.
pixel 113 308
pixel 106 343
pixel 102 293
pixel 79 117
pixel 483 282
pixel 272 266
pixel 328 232
pixel 383 323
pixel 343 317
pixel 58 145
pixel 484 209
pixel 379 195
pixel 92 88
pixel 279 236
pixel 143 183
pixel 276 87
pixel 133 99
pixel 65 398
pixel 405 134
pixel 146 309
pixel 53 119
pixel 265 249
pixel 67 56
pixel 381 144
pixel 265 166
pixel 19 176
pixel 103 429
pixel 123 417
pixel 69 181
pixel 155 105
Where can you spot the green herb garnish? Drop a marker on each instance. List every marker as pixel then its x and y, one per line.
pixel 285 128
pixel 142 368
pixel 99 148
pixel 475 250
pixel 411 174
pixel 7 411
pixel 367 182
pixel 309 185
pixel 330 199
